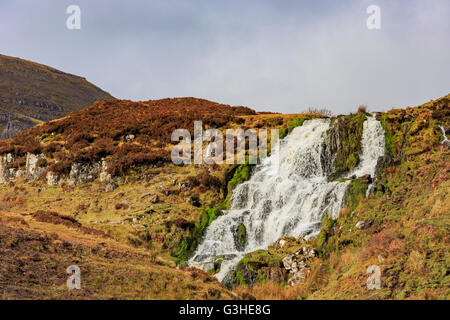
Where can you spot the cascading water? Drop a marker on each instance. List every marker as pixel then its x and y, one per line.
pixel 445 141
pixel 373 145
pixel 288 194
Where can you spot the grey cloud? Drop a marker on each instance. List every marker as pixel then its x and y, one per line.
pixel 270 55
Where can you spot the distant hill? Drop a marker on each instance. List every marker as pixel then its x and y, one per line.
pixel 31 93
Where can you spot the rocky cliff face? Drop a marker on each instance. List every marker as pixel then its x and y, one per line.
pixel 31 93
pixel 36 166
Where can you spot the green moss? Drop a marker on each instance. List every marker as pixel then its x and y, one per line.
pixel 344 138
pixel 217 265
pixel 240 279
pixel 242 234
pixel 241 175
pixel 356 189
pixel 320 241
pixel 250 269
pixel 290 126
pixel 188 244
pixel 388 136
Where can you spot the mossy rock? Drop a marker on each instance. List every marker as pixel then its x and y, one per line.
pixel 188 244
pixel 356 189
pixel 242 234
pixel 344 140
pixel 320 241
pixel 257 267
pixel 290 126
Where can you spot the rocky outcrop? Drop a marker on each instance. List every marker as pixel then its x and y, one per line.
pixel 35 166
pixel 257 266
pixel 297 265
pixel 363 224
pixel 10 125
pixel 82 173
pixel 52 178
pixel 32 168
pixel 6 174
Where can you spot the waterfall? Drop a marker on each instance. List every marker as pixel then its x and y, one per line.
pixel 445 141
pixel 288 194
pixel 373 146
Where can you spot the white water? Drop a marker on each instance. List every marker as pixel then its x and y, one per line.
pixel 288 194
pixel 445 137
pixel 373 145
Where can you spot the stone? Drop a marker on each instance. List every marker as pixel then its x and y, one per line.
pixel 363 224
pixel 4 172
pixel 104 175
pixel 52 178
pixel 83 173
pixel 296 265
pixel 19 173
pixel 110 187
pixel 32 171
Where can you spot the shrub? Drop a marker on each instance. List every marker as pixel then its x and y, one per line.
pixel 323 111
pixel 362 108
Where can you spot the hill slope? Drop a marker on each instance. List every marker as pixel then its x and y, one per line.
pixel 31 93
pixel 116 182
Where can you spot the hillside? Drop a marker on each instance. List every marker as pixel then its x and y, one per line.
pixel 97 189
pixel 31 93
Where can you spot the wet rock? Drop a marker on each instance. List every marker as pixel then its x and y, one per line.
pixel 366 179
pixel 239 199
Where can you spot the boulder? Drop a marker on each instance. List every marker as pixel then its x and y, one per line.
pixel 5 173
pixel 110 187
pixel 296 265
pixel 83 173
pixel 32 170
pixel 363 224
pixel 52 178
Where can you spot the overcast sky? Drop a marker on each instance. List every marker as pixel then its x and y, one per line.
pixel 273 55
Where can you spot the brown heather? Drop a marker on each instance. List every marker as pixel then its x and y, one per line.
pixel 100 130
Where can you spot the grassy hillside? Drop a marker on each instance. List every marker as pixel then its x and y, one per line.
pixel 402 227
pixel 155 212
pixel 31 93
pixel 154 205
